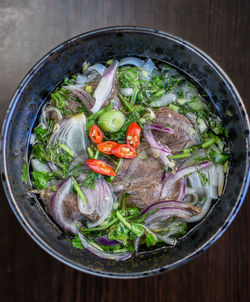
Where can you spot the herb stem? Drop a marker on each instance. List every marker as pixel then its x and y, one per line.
pixel 78 190
pixel 125 103
pixel 100 228
pixel 133 98
pixel 123 220
pixel 117 168
pixel 94 116
pixel 90 152
pixel 96 154
pixel 65 148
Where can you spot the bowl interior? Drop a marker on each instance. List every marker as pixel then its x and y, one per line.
pixel 101 45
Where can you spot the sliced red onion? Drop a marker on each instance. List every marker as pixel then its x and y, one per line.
pixel 79 160
pixel 131 61
pixel 86 99
pixel 38 166
pixel 221 177
pixel 91 74
pixel 32 138
pixel 103 240
pixel 182 190
pixel 99 202
pixel 53 167
pixel 195 183
pixel 193 119
pixel 211 185
pixel 100 68
pixel 166 99
pixel 72 133
pixel 210 191
pixel 191 192
pixel 102 254
pixel 161 128
pixel 149 66
pixel 163 152
pixel 171 204
pixel 205 208
pixel 166 239
pixel 81 80
pixel 166 213
pixel 137 244
pixel 172 179
pixel 43 116
pixel 164 175
pixel 126 91
pixel 57 207
pixel 104 87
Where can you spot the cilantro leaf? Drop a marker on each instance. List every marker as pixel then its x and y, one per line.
pixel 25 173
pixel 40 179
pixel 76 242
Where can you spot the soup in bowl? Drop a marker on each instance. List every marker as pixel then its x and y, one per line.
pixel 121 150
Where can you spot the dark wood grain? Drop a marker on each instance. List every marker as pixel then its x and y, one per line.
pixel 30 28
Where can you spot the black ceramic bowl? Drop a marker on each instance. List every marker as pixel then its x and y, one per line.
pixel 99 45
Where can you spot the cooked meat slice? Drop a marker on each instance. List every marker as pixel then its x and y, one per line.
pixel 184 132
pixel 146 196
pixel 135 174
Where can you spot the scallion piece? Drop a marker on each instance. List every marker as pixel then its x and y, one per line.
pixel 207 143
pixel 181 155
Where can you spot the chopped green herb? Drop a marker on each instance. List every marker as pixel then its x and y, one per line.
pixel 25 173
pixel 76 242
pixel 40 179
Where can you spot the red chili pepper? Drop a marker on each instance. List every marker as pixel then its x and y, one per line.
pixel 133 135
pixel 125 151
pixel 100 167
pixel 95 134
pixel 106 147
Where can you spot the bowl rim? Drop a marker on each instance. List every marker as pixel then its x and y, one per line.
pixel 6 183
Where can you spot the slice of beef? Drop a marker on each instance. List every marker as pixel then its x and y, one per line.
pixel 144 197
pixel 184 132
pixel 141 177
pixel 135 174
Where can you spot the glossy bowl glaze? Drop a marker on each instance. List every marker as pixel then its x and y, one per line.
pixel 100 45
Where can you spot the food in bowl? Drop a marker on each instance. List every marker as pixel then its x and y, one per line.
pixel 127 156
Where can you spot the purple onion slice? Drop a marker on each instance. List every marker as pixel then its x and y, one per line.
pixel 131 61
pixel 171 204
pixel 72 133
pixel 173 178
pixel 166 213
pixel 86 99
pixel 161 128
pixel 102 254
pixel 99 202
pixel 103 240
pixel 104 87
pixel 57 209
pixel 163 152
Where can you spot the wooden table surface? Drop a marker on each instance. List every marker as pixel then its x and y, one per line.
pixel 30 28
